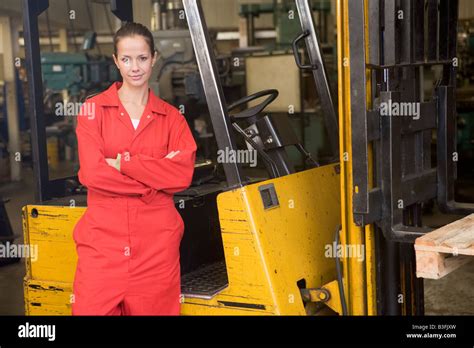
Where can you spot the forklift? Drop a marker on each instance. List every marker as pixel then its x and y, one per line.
pixel 260 247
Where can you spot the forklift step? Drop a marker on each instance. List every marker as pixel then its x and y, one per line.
pixel 442 251
pixel 205 282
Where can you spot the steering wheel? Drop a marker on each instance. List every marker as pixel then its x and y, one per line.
pixel 254 110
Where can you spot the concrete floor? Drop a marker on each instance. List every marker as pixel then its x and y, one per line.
pixel 11 276
pixel 451 295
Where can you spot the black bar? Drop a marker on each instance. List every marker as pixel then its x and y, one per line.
pixel 432 29
pixel 390 141
pixel 427 119
pixel 135 331
pixel 449 72
pixel 122 9
pixel 374 32
pixel 418 283
pixel 444 29
pixel 453 28
pixel 392 278
pixel 390 37
pixel 419 30
pixel 419 187
pixel 31 10
pixel 405 65
pixel 359 126
pixel 406 31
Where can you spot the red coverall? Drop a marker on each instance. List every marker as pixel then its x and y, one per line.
pixel 128 239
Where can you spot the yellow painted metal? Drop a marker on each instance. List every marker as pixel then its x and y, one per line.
pixel 266 251
pixel 49 229
pixel 369 229
pixel 47 297
pixel 335 300
pixel 370 270
pixel 359 277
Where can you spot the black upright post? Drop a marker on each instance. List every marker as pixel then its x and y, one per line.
pixel 32 9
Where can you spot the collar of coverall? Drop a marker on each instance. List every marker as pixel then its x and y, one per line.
pixel 110 98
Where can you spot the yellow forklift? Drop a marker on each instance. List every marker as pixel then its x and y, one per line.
pixel 280 246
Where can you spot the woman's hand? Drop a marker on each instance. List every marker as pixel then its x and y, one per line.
pixel 110 161
pixel 114 162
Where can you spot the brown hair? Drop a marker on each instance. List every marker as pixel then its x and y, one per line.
pixel 132 29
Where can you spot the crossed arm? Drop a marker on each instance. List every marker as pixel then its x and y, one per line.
pixel 138 175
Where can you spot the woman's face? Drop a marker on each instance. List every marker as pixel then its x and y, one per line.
pixel 134 60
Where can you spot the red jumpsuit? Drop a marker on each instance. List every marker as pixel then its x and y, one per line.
pixel 128 239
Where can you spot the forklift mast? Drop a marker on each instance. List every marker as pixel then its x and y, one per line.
pixel 388 125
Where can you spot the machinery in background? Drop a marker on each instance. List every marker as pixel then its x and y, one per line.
pixel 299 99
pixel 4 155
pixel 284 19
pixel 176 76
pixel 68 78
pixel 466 53
pixel 22 99
pixel 73 76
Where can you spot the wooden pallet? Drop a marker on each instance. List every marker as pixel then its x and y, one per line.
pixel 442 251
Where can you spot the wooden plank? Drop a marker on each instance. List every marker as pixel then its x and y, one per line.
pixel 457 235
pixel 444 250
pixel 434 265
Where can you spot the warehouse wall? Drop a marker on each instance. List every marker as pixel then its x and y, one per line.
pixel 466 9
pixel 228 14
pixel 226 17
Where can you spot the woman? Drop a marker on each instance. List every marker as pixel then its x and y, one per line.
pixel 135 152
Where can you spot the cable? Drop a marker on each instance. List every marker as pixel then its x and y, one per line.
pixel 339 274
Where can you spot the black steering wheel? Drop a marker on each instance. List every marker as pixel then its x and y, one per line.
pixel 254 110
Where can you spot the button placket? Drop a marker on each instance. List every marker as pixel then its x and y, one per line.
pixel 142 125
pixel 128 123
